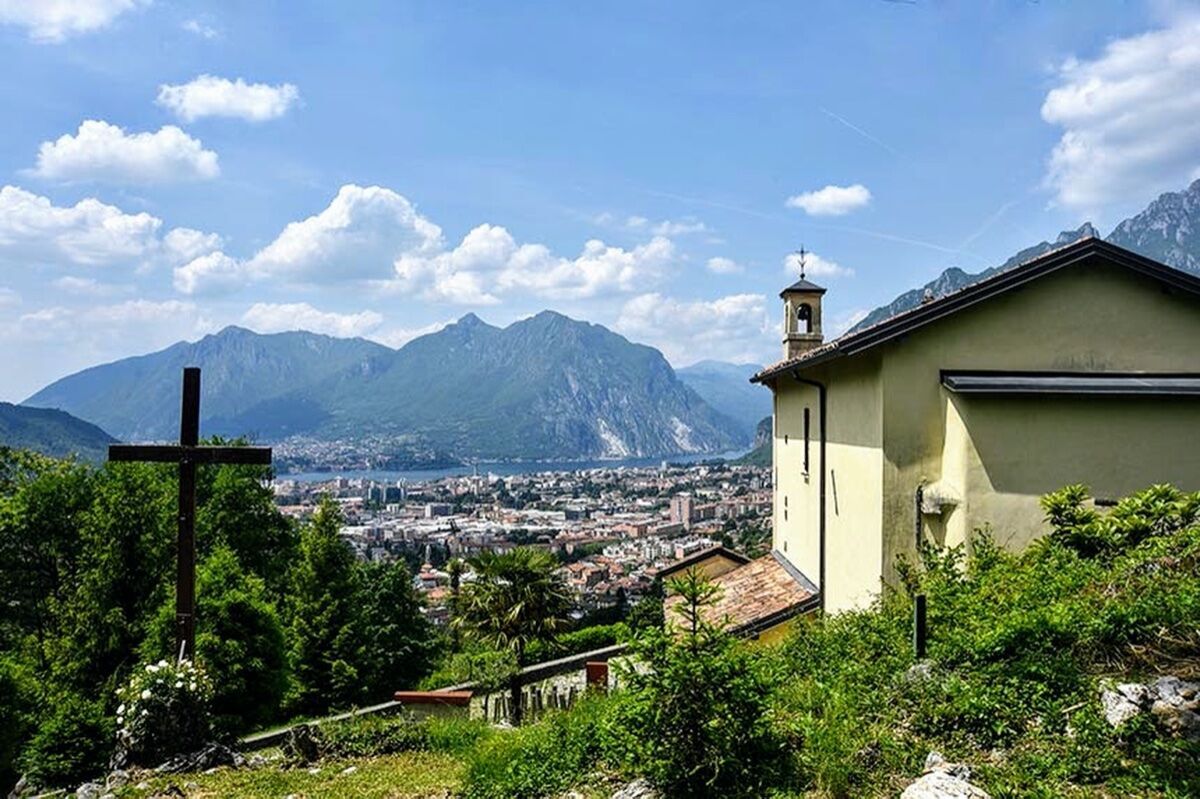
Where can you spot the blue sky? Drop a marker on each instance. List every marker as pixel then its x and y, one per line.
pixel 380 169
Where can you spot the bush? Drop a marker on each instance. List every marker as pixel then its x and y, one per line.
pixel 373 736
pixel 541 759
pixel 164 711
pixel 577 642
pixel 489 669
pixel 71 745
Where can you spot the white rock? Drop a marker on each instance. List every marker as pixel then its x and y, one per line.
pixel 1176 706
pixel 1123 702
pixel 942 785
pixel 349 770
pixel 638 789
pixel 89 790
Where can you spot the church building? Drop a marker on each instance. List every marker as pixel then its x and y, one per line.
pixel 1080 366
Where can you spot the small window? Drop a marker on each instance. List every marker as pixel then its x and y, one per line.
pixel 807 429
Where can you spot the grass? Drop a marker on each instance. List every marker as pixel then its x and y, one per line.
pixel 409 774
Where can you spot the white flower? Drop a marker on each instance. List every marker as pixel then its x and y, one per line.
pixel 179 683
pixel 121 709
pixel 192 687
pixel 162 664
pixel 145 695
pixel 151 668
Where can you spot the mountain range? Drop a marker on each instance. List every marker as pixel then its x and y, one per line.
pixel 544 387
pixel 1168 230
pixel 51 432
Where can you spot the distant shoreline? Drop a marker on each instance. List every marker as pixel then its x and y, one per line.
pixel 503 468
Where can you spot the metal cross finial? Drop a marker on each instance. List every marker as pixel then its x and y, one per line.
pixel 801 256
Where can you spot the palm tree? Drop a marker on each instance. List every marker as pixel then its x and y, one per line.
pixel 516 598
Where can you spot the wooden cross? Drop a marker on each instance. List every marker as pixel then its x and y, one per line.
pixel 188 453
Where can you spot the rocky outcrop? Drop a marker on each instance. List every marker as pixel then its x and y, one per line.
pixel 1174 704
pixel 943 780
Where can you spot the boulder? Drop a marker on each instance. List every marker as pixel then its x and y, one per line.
pixel 1123 702
pixel 210 756
pixel 303 743
pixel 943 780
pixel 638 789
pixel 1173 703
pixel 89 790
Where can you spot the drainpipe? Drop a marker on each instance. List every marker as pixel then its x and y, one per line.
pixel 821 392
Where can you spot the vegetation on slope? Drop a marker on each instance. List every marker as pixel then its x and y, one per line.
pixel 1018 647
pixel 51 432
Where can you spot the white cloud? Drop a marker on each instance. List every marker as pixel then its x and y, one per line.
pixel 831 200
pixel 210 96
pixel 844 321
pixel 734 328
pixel 184 244
pixel 359 234
pixel 84 286
pixel 397 337
pixel 104 152
pixel 723 266
pixel 375 235
pixel 212 273
pixel 89 233
pixel 9 297
pixel 275 318
pixel 1130 119
pixel 815 266
pixel 489 262
pixel 640 224
pixel 56 20
pixel 199 28
pixel 66 326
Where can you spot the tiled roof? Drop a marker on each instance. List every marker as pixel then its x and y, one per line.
pixel 766 590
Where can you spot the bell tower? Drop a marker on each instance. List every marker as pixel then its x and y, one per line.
pixel 802 314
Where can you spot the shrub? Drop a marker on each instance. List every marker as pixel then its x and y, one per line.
pixel 163 711
pixel 71 745
pixel 489 669
pixel 541 759
pixel 373 736
pixel 577 642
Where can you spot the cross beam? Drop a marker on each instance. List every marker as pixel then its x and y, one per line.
pixel 188 453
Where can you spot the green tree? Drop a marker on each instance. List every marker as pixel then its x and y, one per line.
pixel 237 510
pixel 126 562
pixel 239 642
pixel 325 639
pixel 515 599
pixel 398 641
pixel 42 502
pixel 696 719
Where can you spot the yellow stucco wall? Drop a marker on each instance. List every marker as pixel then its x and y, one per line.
pixel 892 427
pixel 853 539
pixel 1001 454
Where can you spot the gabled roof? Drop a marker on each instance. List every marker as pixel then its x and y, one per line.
pixel 758 595
pixel 991 286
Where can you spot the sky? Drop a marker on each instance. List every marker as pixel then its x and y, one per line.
pixel 168 168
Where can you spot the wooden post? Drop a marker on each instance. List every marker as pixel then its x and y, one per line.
pixel 185 568
pixel 919 629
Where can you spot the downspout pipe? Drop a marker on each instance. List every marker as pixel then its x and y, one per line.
pixel 822 392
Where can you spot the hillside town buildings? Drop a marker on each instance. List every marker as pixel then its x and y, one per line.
pixel 613 529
